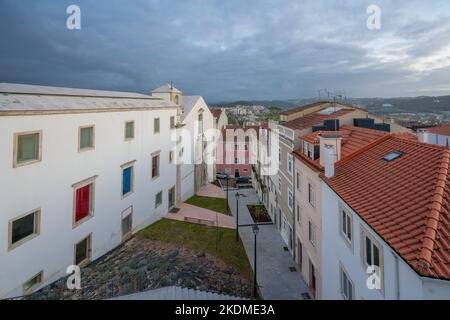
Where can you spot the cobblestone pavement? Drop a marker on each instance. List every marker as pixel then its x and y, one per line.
pixel 142 264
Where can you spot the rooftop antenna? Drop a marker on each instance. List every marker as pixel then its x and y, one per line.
pixel 171 85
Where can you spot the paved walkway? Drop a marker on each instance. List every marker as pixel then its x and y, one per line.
pixel 211 190
pixel 275 279
pixel 191 213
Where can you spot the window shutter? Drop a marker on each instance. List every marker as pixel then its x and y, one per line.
pixel 82 202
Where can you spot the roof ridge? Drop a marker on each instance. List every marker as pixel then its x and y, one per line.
pixel 427 248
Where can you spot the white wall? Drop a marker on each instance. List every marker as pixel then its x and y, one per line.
pixel 48 185
pixel 335 251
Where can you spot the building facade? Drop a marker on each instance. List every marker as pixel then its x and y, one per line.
pixel 83 170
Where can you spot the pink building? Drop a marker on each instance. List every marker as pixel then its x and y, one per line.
pixel 237 150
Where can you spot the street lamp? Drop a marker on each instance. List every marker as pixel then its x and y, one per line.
pixel 228 207
pixel 237 213
pixel 255 283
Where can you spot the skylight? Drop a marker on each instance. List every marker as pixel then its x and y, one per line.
pixel 329 110
pixel 392 155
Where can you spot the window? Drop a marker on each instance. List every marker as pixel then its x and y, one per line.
pixel 279 154
pixel 279 184
pixel 371 252
pixel 372 255
pixel 311 195
pixel 83 251
pixel 83 200
pixel 346 285
pixel 290 163
pixel 155 166
pixel 129 130
pixel 172 122
pixel 236 160
pixel 346 225
pixel 158 199
pixel 311 151
pixel 170 156
pixel 305 148
pixel 312 233
pixel 24 228
pixel 299 215
pixel 27 148
pixel 127 180
pixel 200 123
pixel 290 199
pixel 156 125
pixel 392 156
pixel 127 222
pixel 86 138
pixel 298 181
pixel 32 284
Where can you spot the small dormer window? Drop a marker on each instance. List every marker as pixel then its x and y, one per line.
pixel 392 156
pixel 305 148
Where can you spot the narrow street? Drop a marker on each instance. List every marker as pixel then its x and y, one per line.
pixel 275 279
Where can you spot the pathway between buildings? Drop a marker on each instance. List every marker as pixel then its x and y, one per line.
pixel 275 279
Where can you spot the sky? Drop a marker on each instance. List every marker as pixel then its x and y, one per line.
pixel 227 50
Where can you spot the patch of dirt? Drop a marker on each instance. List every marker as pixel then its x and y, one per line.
pixel 259 213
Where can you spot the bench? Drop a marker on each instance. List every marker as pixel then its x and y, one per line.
pixel 208 222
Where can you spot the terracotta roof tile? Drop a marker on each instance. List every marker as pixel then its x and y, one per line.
pixel 442 130
pixel 314 118
pixel 406 200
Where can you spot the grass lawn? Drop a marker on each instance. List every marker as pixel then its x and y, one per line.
pixel 214 204
pixel 202 237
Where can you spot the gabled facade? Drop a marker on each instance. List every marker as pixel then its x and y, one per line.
pixel 309 164
pixel 386 222
pixel 195 126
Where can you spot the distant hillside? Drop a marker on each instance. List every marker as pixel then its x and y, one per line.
pixel 378 105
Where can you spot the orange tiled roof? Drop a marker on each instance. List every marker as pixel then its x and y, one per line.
pixel 312 105
pixel 442 130
pixel 216 112
pixel 406 201
pixel 314 118
pixel 353 139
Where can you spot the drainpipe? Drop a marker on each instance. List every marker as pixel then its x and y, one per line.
pixel 397 277
pixel 294 186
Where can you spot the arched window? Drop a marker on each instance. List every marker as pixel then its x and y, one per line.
pixel 176 100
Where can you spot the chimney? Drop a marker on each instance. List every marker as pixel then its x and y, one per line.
pixel 334 141
pixel 423 136
pixel 329 160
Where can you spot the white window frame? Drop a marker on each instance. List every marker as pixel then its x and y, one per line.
pixel 343 229
pixel 125 130
pixel 127 214
pixel 157 205
pixel 311 194
pixel 16 163
pixel 290 164
pixel 312 233
pixel 123 167
pixel 80 149
pixel 36 229
pixel 40 276
pixel 290 199
pixel 342 273
pixel 88 259
pixel 365 233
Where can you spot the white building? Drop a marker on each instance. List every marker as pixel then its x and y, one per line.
pixel 196 124
pixel 386 216
pixel 81 170
pixel 439 135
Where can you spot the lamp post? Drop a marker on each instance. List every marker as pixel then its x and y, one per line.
pixel 255 283
pixel 228 207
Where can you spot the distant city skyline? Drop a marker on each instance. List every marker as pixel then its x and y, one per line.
pixel 231 50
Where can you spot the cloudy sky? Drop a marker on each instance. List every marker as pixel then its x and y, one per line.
pixel 230 49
